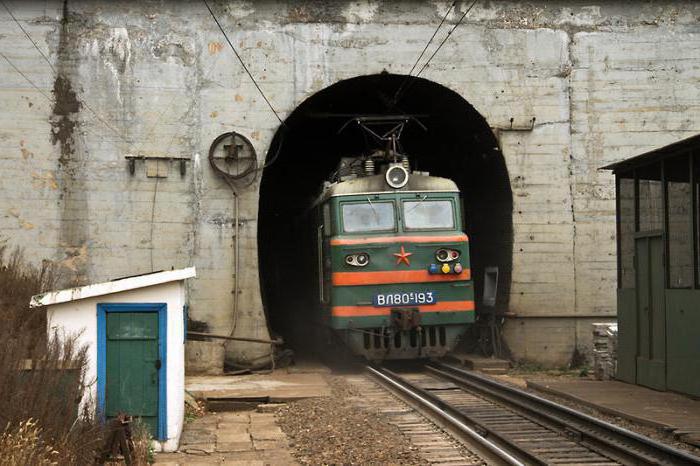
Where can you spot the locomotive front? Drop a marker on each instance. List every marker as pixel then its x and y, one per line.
pixel 395 278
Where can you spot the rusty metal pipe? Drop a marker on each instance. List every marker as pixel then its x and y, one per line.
pixel 226 337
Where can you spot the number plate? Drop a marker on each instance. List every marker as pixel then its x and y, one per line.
pixel 411 298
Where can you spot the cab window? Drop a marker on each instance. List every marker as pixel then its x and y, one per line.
pixel 364 217
pixel 428 214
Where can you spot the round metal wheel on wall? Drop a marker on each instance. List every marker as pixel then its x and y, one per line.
pixel 233 155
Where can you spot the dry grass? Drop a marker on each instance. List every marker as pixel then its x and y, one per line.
pixel 23 445
pixel 143 451
pixel 41 380
pixel 23 328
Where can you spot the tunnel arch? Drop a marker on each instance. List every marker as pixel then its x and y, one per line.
pixel 457 143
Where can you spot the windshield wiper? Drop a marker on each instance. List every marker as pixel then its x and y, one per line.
pixel 376 215
pixel 425 196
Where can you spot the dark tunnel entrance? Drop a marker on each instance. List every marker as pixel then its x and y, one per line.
pixel 458 144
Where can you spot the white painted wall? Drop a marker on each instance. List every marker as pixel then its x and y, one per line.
pixel 80 318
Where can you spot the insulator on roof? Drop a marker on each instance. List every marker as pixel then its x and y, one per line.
pixel 369 166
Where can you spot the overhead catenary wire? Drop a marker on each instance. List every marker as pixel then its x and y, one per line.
pixel 408 76
pixel 449 33
pixel 250 75
pixel 437 49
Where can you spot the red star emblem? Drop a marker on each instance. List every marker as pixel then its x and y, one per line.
pixel 402 256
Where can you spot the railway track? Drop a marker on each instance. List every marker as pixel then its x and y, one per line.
pixel 506 425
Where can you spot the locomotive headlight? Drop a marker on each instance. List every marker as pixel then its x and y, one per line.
pixel 396 176
pixel 357 260
pixel 446 255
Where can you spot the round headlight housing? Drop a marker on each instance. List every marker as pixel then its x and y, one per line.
pixel 446 255
pixel 357 260
pixel 362 259
pixel 396 176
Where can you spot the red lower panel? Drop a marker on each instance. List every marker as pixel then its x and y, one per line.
pixel 362 311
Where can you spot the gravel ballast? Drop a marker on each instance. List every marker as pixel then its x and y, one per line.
pixel 332 430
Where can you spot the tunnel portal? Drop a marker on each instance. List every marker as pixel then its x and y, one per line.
pixel 457 143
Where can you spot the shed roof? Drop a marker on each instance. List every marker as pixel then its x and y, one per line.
pixel 115 286
pixel 683 145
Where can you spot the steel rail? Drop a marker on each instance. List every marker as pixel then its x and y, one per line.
pixel 596 434
pixel 439 410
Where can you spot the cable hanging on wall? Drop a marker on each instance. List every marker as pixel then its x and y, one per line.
pixel 234 158
pixel 240 60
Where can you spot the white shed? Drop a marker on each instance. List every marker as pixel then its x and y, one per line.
pixel 134 329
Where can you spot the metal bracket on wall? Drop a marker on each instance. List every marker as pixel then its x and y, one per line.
pixel 498 129
pixel 157 166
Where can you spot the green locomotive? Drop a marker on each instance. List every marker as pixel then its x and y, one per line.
pixel 394 275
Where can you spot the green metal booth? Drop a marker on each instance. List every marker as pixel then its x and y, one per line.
pixel 658 295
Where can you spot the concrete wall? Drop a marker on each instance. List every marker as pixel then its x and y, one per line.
pixel 79 318
pixel 605 81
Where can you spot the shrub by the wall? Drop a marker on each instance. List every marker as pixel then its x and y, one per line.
pixel 41 380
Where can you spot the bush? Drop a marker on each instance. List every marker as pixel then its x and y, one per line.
pixel 41 380
pixel 23 328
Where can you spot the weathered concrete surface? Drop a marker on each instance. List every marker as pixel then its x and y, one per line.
pixel 204 357
pixel 278 386
pixel 605 81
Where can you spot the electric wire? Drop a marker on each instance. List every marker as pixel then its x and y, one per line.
pixel 449 33
pixel 46 59
pixel 408 76
pixel 26 78
pixel 28 36
pixel 48 98
pixel 250 75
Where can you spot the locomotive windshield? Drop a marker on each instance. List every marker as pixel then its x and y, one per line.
pixel 428 214
pixel 368 216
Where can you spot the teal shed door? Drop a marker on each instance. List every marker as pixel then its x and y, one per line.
pixel 132 365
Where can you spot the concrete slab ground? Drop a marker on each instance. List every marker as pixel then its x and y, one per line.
pixel 665 410
pixel 238 438
pixel 278 386
pixel 244 437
